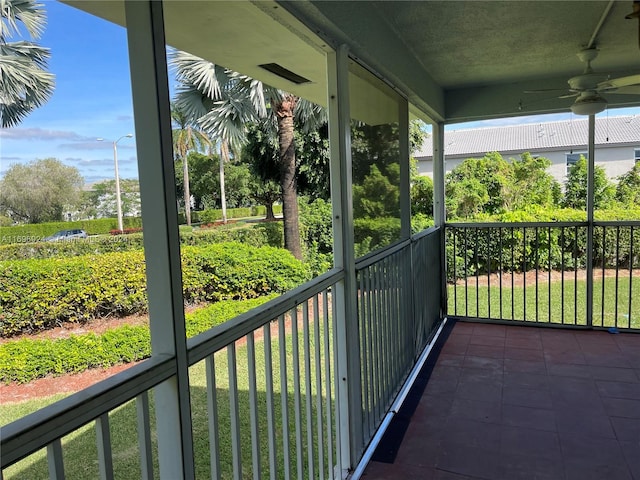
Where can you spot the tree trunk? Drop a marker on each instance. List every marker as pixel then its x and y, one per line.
pixel 187 193
pixel 270 215
pixel 288 180
pixel 224 158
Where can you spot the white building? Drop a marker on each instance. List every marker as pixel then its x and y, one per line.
pixel 617 144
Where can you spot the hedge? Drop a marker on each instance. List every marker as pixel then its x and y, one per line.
pixel 214 214
pixel 256 235
pixel 26 360
pixel 35 232
pixel 40 294
pixel 490 249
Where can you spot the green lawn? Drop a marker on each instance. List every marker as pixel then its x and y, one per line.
pixel 80 453
pixel 551 302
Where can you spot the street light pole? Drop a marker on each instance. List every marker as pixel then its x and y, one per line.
pixel 117 175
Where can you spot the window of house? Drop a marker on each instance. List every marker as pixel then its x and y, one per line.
pixel 572 158
pixel 636 155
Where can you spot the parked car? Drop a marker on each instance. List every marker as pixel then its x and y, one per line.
pixel 66 235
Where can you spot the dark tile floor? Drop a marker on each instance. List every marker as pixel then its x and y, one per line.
pixel 511 402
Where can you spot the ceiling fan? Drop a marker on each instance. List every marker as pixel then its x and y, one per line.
pixel 589 86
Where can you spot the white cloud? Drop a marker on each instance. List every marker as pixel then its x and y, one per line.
pixel 40 134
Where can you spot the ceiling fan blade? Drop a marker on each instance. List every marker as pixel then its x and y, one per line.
pixel 569 95
pixel 546 90
pixel 629 90
pixel 619 82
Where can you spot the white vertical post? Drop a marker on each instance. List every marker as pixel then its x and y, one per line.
pixel 439 214
pixel 590 216
pixel 348 349
pixel 147 57
pixel 405 167
pixel 439 211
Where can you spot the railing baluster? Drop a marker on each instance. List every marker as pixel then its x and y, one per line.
pixel 466 275
pixel 307 387
pixel 549 268
pixel 524 273
pixel 55 460
pixel 268 376
pixel 103 437
pixel 329 374
pixel 575 277
pixel 477 268
pixel 296 391
pixel 488 272
pixel 454 235
pixel 513 270
pixel 253 407
pixel 630 275
pixel 537 271
pixel 212 417
pixel 318 369
pixel 144 436
pixel 234 412
pixel 364 350
pixel 604 264
pixel 284 396
pixel 369 320
pixel 617 274
pixel 562 269
pixel 500 268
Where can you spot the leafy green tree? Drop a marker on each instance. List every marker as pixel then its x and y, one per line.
pixel 100 201
pixel 40 191
pixel 628 188
pixel 378 196
pixel 186 138
pixel 224 102
pixel 24 82
pixel 422 195
pixel 575 188
pixel 479 185
pixel 533 185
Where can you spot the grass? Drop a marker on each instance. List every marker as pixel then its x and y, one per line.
pixel 300 401
pixel 552 302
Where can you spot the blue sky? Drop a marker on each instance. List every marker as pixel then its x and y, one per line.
pixel 92 100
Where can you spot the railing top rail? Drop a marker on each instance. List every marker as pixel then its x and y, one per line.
pixel 222 335
pixel 33 432
pixel 514 224
pixel 374 257
pixel 617 223
pixel 424 233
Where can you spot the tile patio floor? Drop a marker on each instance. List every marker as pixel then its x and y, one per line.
pixel 511 402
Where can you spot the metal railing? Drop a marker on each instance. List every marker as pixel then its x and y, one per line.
pixel 537 272
pixel 399 294
pixel 264 386
pixel 269 393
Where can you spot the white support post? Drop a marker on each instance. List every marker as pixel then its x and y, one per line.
pixel 345 309
pixel 590 216
pixel 405 167
pixel 439 214
pixel 439 211
pixel 150 87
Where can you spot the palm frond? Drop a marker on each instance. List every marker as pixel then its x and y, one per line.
pixel 309 115
pixel 30 13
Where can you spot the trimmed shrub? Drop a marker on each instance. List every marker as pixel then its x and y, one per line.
pixel 26 360
pixel 39 294
pixel 35 232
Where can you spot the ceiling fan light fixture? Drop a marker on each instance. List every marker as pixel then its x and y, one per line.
pixel 589 104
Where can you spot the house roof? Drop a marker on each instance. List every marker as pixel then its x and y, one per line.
pixel 535 137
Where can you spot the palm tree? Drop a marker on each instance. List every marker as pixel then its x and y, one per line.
pixel 224 102
pixel 185 139
pixel 24 82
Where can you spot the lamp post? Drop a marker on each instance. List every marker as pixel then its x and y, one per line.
pixel 117 175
